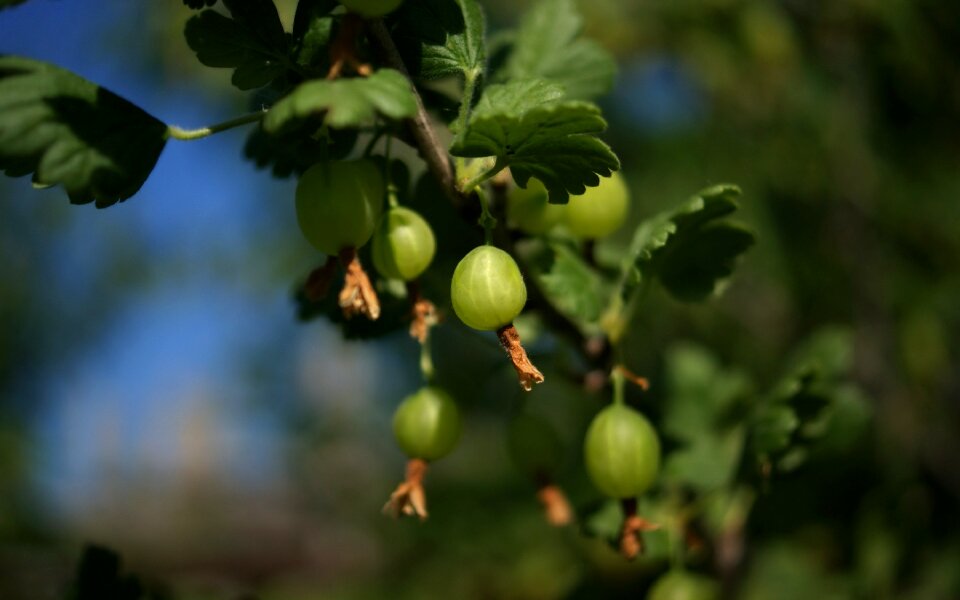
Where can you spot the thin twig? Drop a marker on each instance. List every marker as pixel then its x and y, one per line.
pixel 432 151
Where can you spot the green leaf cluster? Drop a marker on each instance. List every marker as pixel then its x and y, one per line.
pixel 690 250
pixel 440 38
pixel 702 414
pixel 251 41
pixel 548 45
pixel 345 103
pixel 570 284
pixel 721 423
pixel 530 127
pixel 536 119
pixel 811 404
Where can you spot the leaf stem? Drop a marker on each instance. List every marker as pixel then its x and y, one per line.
pixel 473 184
pixel 470 78
pixel 368 149
pixel 388 177
pixel 178 133
pixel 426 360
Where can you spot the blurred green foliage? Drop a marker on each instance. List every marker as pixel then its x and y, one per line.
pixel 810 412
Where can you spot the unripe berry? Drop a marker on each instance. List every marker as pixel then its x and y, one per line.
pixel 487 290
pixel 622 452
pixel 403 244
pixel 338 204
pixel 600 210
pixel 529 211
pixel 427 424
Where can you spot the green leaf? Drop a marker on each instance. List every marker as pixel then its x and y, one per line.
pixel 649 236
pixel 439 38
pixel 701 413
pixel 569 283
pixel 773 428
pixel 828 353
pixel 548 45
pixel 68 131
pixel 603 520
pixel 252 42
pixel 8 3
pixel 574 288
pixel 313 29
pixel 803 406
pixel 293 152
pixel 708 463
pixel 690 250
pixel 691 268
pixel 655 237
pixel 702 393
pixel 519 97
pixel 530 128
pixel 346 102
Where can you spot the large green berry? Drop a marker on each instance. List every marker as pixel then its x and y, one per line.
pixel 622 452
pixel 427 424
pixel 600 210
pixel 403 244
pixel 534 445
pixel 680 585
pixel 372 8
pixel 529 211
pixel 338 204
pixel 487 290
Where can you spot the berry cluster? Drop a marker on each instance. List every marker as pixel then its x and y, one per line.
pixel 340 208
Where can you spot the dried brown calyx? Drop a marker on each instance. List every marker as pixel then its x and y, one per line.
pixel 409 497
pixel 556 507
pixel 423 313
pixel 357 296
pixel 343 49
pixel 320 279
pixel 526 372
pixel 631 540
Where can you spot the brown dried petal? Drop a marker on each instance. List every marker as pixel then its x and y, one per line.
pixel 357 295
pixel 526 372
pixel 409 498
pixel 424 317
pixel 556 508
pixel 631 542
